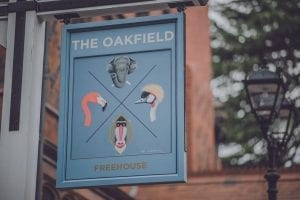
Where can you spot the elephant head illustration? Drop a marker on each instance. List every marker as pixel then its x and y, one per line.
pixel 119 68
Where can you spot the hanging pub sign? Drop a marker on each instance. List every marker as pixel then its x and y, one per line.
pixel 122 117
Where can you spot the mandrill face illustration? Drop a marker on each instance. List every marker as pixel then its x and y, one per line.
pixel 120 134
pixel 119 68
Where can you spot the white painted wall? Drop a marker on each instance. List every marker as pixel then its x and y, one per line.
pixel 19 149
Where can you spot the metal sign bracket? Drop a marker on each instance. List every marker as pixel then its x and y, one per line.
pixel 180 6
pixel 48 9
pixel 66 18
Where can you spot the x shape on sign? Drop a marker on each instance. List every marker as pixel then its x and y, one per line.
pixel 121 103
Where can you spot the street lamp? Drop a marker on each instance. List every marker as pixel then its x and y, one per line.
pixel 265 92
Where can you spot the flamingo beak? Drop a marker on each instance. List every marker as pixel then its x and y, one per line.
pixel 104 107
pixel 102 102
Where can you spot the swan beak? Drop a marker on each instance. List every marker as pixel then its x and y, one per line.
pixel 141 100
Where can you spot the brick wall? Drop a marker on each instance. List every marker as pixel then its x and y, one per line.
pixel 53 63
pixel 200 111
pixel 224 187
pixel 202 155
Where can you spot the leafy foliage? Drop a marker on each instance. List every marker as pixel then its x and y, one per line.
pixel 246 35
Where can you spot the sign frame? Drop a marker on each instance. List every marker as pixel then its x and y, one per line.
pixel 66 9
pixel 179 153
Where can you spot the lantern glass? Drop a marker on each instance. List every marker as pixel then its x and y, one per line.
pixel 262 95
pixel 265 92
pixel 282 127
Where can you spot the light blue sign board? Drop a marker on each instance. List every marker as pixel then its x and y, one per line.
pixel 122 116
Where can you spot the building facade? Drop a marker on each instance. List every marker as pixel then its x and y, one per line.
pixel 206 179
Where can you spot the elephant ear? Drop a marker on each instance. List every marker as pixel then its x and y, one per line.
pixel 132 65
pixel 110 66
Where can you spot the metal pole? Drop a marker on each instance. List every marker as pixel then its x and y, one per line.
pixel 272 176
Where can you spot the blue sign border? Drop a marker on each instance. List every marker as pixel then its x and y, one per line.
pixel 180 175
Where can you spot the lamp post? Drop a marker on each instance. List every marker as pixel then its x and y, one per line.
pixel 277 138
pixel 265 92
